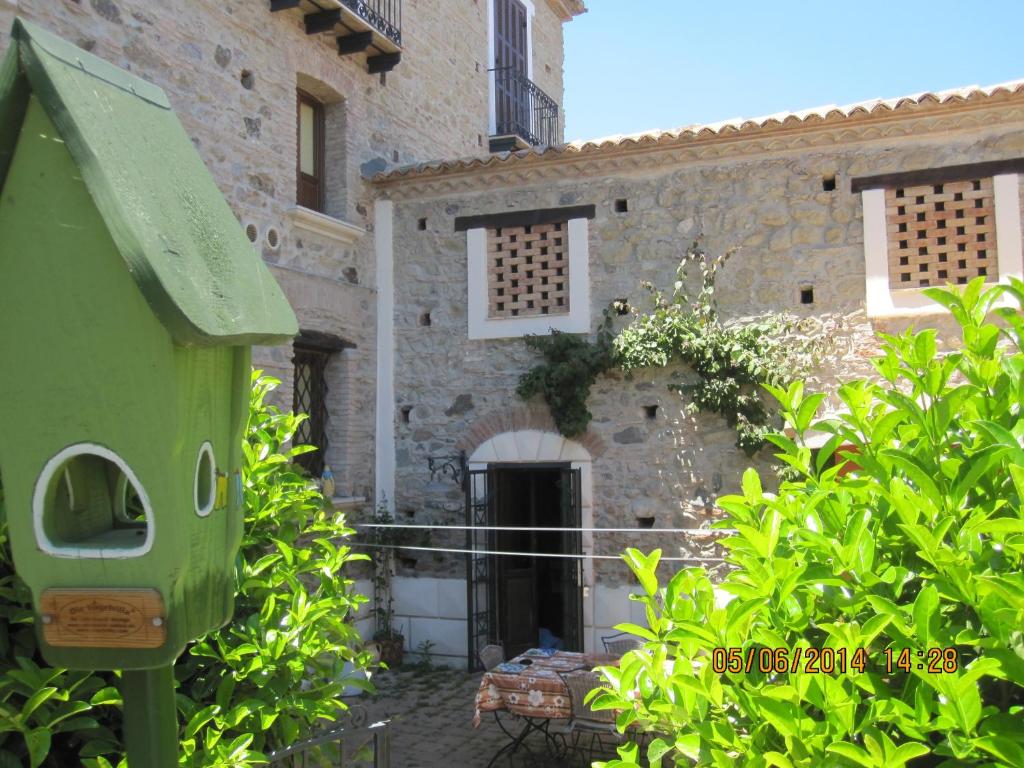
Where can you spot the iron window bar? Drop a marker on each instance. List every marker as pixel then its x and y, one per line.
pixel 522 109
pixel 310 397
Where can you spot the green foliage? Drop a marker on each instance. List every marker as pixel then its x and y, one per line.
pixel 267 679
pixel 919 547
pixel 276 671
pixel 732 360
pixel 48 717
pixel 571 365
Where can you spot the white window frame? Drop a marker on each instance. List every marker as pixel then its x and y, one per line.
pixel 883 301
pixel 531 11
pixel 576 320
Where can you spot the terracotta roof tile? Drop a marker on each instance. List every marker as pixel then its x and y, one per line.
pixel 830 113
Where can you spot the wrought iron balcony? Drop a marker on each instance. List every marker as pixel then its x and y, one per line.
pixel 525 116
pixel 374 26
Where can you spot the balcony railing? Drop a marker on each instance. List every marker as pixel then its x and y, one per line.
pixel 373 26
pixel 522 111
pixel 384 15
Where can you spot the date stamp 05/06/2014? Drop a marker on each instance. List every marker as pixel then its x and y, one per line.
pixel 830 661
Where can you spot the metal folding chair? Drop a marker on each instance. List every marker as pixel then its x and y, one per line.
pixel 597 724
pixel 491 656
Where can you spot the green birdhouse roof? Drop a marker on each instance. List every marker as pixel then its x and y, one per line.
pixel 178 237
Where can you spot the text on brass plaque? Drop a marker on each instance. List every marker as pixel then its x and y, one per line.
pixel 103 618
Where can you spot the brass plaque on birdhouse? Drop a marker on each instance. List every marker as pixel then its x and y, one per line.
pixel 103 618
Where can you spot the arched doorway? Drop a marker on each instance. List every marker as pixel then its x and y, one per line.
pixel 528 497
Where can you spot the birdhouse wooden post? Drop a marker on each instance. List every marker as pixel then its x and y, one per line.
pixel 129 299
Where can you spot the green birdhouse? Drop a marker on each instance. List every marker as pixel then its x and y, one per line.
pixel 129 299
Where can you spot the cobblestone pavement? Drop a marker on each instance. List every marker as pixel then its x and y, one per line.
pixel 431 713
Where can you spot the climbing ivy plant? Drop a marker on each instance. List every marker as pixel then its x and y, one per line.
pixel 571 365
pixel 733 361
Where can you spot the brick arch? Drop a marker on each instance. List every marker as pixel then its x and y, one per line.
pixel 522 418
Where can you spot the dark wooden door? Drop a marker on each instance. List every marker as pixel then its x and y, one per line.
pixel 538 584
pixel 510 64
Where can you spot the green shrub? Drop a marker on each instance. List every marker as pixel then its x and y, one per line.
pixel 731 360
pixel 267 679
pixel 276 671
pixel 918 548
pixel 571 365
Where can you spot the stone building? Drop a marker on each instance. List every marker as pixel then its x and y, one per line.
pixel 378 152
pixel 374 83
pixel 841 216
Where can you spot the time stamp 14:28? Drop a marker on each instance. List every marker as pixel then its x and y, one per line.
pixel 830 661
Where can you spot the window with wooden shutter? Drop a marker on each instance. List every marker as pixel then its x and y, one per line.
pixel 310 154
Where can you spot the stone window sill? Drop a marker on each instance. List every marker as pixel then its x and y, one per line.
pixel 324 225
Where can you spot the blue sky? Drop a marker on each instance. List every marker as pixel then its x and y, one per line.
pixel 634 65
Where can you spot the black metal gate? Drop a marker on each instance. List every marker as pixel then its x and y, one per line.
pixel 572 567
pixel 480 586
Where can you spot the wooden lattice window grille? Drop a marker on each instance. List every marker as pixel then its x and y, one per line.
pixel 528 270
pixel 941 233
pixel 310 397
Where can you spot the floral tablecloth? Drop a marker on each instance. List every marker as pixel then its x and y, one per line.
pixel 529 684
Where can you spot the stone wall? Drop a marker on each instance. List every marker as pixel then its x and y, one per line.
pixel 230 69
pixel 791 234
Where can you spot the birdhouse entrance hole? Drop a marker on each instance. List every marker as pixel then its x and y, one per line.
pixel 205 490
pixel 89 503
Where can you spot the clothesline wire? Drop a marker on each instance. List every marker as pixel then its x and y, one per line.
pixel 487 528
pixel 567 556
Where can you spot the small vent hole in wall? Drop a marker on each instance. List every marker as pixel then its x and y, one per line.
pixel 622 205
pixel 479 139
pixel 645 522
pixel 273 239
pixel 621 306
pixel 807 294
pixel 651 411
pixel 252 232
pixel 406 413
pixel 425 320
pixel 421 225
pixel 247 79
pixel 828 184
pixel 394 155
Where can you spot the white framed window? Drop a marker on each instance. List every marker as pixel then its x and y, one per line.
pixel 931 228
pixel 528 272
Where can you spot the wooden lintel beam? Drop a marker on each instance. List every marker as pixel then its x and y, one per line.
pixel 383 63
pixel 939 175
pixel 322 21
pixel 354 43
pixel 283 5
